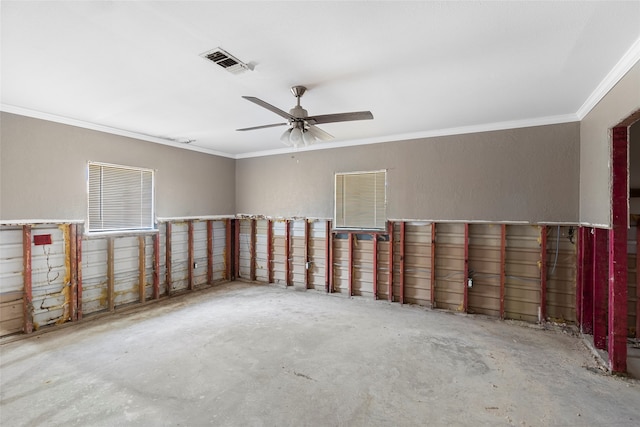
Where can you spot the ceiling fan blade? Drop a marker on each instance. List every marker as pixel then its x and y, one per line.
pixel 269 107
pixel 340 117
pixel 263 126
pixel 319 133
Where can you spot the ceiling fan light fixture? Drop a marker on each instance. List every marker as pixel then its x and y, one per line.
pixel 308 138
pixel 286 137
pixel 296 136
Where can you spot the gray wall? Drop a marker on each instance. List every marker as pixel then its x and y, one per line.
pixel 43 172
pixel 528 174
pixel 622 100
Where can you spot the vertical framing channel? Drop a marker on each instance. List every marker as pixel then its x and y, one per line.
pixel 252 250
pixel 270 251
pixel 350 266
pixel 111 297
pixel 579 275
pixel 28 290
pixel 329 257
pixel 287 253
pixel 402 260
pixel 617 344
pixel 73 264
pixel 433 264
pixel 168 258
pixel 156 266
pixel 599 282
pixel 543 274
pixel 209 251
pixel 78 256
pixel 638 279
pixel 190 258
pixel 503 261
pixel 142 276
pixel 307 266
pixel 390 284
pixel 586 304
pixel 465 301
pixel 374 236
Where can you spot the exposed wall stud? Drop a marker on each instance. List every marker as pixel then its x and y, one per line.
pixel 73 234
pixel 350 267
pixel 156 266
pixel 27 279
pixel 209 251
pixel 307 262
pixel 617 344
pixel 433 264
pixel 579 273
pixel 638 279
pixel 375 265
pixel 270 251
pixel 600 284
pixel 402 264
pixel 390 288
pixel 236 249
pixel 111 295
pixel 287 252
pixel 142 268
pixel 227 251
pixel 168 258
pixel 329 255
pixel 465 297
pixel 190 258
pixel 543 273
pixel 503 265
pixel 330 262
pixel 78 256
pixel 252 250
pixel 587 282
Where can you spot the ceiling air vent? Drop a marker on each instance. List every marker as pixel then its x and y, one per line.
pixel 225 60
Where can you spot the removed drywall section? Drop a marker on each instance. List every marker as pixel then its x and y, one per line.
pixel 417 263
pixel 318 255
pixel 485 268
pixel 44 168
pixel 450 278
pixel 522 273
pixel 561 273
pixel 52 273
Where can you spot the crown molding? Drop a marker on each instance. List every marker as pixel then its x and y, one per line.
pixel 628 60
pixel 107 129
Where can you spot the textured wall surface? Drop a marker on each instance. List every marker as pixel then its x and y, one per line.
pixel 527 174
pixel 621 101
pixel 44 171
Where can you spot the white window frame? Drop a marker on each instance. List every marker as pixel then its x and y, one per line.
pixel 359 207
pixel 122 220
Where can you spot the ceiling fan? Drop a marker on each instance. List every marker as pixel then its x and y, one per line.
pixel 302 127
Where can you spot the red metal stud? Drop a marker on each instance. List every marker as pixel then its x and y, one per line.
pixel 617 344
pixel 600 284
pixel 543 273
pixel 390 285
pixel 402 261
pixel 27 279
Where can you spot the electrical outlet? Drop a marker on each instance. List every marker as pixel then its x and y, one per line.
pixel 195 265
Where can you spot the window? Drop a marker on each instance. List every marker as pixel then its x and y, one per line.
pixel 120 198
pixel 360 200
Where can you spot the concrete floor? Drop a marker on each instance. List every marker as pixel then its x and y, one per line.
pixel 242 354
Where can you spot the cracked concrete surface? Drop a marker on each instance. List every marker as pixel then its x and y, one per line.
pixel 243 354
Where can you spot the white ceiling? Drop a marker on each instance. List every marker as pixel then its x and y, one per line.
pixel 421 68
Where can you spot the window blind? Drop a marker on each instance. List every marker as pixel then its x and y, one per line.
pixel 120 198
pixel 360 200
